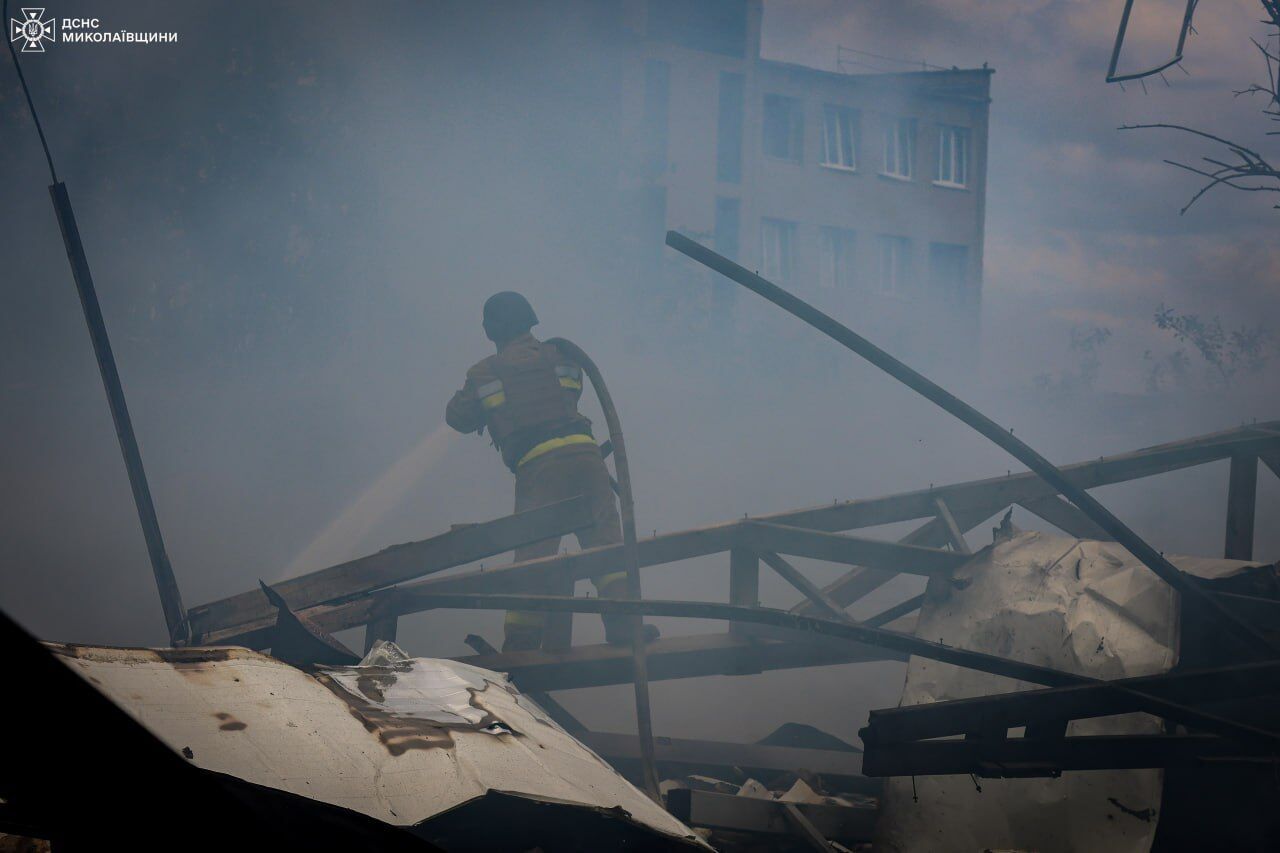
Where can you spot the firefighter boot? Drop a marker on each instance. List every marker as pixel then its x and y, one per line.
pixel 617 628
pixel 522 632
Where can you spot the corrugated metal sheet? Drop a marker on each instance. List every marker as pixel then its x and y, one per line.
pixel 396 738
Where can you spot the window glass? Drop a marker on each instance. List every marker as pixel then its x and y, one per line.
pixel 953 156
pixel 783 127
pixel 840 137
pixel 899 147
pixel 835 266
pixel 895 264
pixel 777 249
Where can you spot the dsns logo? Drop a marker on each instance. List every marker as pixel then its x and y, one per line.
pixel 33 30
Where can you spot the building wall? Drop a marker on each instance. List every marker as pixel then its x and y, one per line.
pixel 814 196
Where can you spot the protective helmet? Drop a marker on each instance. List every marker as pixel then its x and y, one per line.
pixel 507 315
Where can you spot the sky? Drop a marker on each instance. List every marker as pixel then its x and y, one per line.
pixel 293 219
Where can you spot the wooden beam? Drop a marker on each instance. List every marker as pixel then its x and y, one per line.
pixel 955 536
pixel 380 629
pixel 976 495
pixel 1242 495
pixel 821 602
pixel 861 581
pixel 459 546
pixel 1011 710
pixel 672 658
pixel 708 753
pixel 847 824
pixel 804 828
pixel 744 581
pixel 529 574
pixel 854 550
pixel 1067 517
pixel 1021 757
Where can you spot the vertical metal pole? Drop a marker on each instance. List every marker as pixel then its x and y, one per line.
pixel 175 616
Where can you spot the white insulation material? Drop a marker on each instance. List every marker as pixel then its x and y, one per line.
pixel 1077 605
pixel 397 738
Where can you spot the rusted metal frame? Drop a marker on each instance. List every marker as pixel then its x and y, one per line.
pixel 821 602
pixel 1066 517
pixel 693 656
pixel 955 536
pixel 1029 707
pixel 702 753
pixel 1027 757
pixel 462 544
pixel 854 632
pixel 1250 638
pixel 1242 496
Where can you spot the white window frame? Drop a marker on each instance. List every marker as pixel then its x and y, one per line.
pixel 952 168
pixel 899 149
pixel 841 126
pixel 895 264
pixel 835 263
pixel 777 249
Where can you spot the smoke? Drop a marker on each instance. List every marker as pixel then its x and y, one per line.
pixel 293 226
pixel 347 536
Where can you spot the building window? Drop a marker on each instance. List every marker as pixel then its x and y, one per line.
pixel 835 268
pixel 729 128
pixel 783 127
pixel 840 137
pixel 777 249
pixel 953 156
pixel 895 264
pixel 899 147
pixel 948 268
pixel 727 219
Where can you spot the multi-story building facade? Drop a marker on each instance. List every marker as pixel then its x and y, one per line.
pixel 862 192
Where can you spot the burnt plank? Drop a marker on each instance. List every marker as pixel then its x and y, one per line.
pixel 459 546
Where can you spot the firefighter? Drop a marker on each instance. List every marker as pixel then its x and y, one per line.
pixel 527 396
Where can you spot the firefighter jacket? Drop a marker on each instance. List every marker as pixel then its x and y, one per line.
pixel 527 395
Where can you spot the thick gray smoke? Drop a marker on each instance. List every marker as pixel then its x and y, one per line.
pixel 295 213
